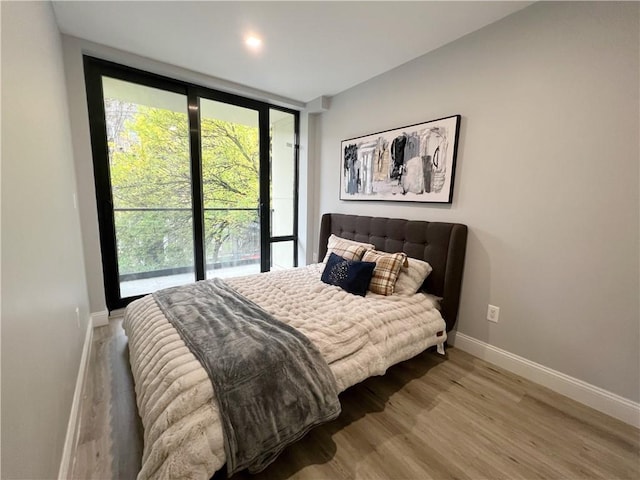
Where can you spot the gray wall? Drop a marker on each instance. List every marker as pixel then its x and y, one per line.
pixel 43 278
pixel 547 179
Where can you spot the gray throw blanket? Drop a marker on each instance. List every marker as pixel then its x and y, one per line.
pixel 271 383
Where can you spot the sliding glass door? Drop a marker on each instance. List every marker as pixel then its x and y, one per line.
pixel 149 168
pixel 191 183
pixel 230 149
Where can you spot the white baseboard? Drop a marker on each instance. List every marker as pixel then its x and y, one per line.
pixel 73 429
pixel 578 390
pixel 100 319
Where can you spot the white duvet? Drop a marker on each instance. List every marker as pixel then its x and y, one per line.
pixel 358 337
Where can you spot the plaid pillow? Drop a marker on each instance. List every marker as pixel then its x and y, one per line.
pixel 386 272
pixel 348 252
pixel 347 249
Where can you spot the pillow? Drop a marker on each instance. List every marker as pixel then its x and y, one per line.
pixel 350 275
pixel 411 278
pixel 340 246
pixel 386 272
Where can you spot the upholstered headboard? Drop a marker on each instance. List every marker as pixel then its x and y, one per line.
pixel 443 245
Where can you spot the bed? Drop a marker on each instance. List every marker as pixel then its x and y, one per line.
pixel 358 337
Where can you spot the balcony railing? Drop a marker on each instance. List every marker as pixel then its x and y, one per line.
pixel 158 242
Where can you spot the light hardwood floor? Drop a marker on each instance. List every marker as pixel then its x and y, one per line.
pixel 429 417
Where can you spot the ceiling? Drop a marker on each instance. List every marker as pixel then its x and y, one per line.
pixel 309 48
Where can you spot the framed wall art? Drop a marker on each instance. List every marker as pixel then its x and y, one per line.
pixel 409 164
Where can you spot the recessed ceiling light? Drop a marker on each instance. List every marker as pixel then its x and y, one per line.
pixel 253 42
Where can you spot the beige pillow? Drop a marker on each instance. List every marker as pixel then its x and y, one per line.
pixel 386 272
pixel 411 278
pixel 340 246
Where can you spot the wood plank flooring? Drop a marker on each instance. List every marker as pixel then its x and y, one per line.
pixel 429 417
pixel 110 437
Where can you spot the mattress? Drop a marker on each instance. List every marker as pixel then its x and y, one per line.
pixel 357 336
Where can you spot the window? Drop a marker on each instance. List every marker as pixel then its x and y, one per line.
pixel 191 183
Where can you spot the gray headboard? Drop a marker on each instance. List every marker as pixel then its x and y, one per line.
pixel 443 245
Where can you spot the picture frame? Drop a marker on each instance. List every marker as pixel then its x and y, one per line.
pixel 415 163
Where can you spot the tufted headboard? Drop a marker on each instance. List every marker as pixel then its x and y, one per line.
pixel 443 245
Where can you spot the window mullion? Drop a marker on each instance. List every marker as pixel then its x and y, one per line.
pixel 196 183
pixel 296 186
pixel 265 190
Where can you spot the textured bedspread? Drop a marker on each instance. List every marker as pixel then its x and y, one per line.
pixel 272 384
pixel 358 337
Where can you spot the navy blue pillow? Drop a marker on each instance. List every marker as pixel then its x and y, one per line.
pixel 350 275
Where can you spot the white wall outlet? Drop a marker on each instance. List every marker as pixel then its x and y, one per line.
pixel 78 316
pixel 75 201
pixel 493 313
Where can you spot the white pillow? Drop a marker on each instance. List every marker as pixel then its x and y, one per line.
pixel 412 277
pixel 339 246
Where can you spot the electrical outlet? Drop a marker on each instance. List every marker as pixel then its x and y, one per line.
pixel 493 313
pixel 78 316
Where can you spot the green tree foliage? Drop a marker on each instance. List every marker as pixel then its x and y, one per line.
pixel 150 168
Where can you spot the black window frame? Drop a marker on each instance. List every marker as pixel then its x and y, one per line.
pixel 94 69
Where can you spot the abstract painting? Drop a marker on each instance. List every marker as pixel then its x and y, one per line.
pixel 409 164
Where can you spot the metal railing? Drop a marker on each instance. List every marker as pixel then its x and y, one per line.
pixel 184 209
pixel 236 250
